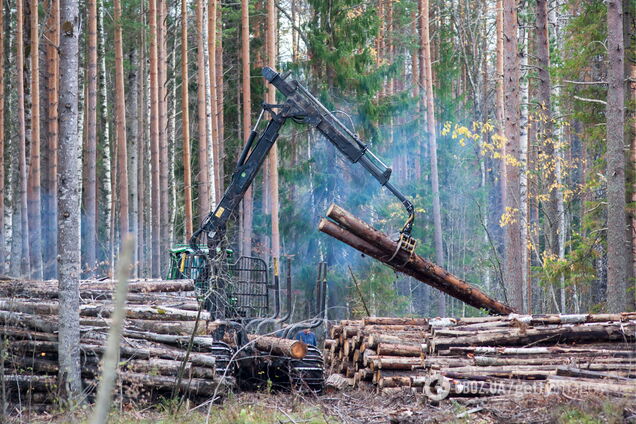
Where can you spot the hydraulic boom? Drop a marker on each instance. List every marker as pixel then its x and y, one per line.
pixel 302 107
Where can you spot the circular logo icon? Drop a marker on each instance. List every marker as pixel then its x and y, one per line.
pixel 437 387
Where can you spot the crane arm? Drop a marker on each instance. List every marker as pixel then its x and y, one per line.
pixel 301 106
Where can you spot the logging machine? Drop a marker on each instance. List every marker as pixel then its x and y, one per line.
pixel 238 292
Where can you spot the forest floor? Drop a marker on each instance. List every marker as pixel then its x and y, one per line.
pixel 360 407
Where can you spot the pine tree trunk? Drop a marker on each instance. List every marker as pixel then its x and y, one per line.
pixel 2 130
pixel 273 154
pixel 219 93
pixel 632 156
pixel 185 119
pixel 33 193
pixel 120 124
pixel 512 231
pixel 50 197
pixel 133 158
pixel 163 131
pixel 142 154
pixel 616 218
pixel 248 200
pixel 90 187
pixel 25 268
pixel 542 51
pixel 34 198
pixel 154 142
pixel 523 182
pixel 427 91
pixel 202 178
pixel 69 204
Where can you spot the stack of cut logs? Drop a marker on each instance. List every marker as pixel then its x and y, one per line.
pixel 160 318
pixel 487 355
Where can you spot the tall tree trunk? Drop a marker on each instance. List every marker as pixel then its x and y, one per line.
pixel 202 176
pixel 69 203
pixel 104 118
pixel 163 130
pixel 248 200
pixel 50 207
pixel 219 93
pixel 172 144
pixel 427 85
pixel 142 150
pixel 132 134
pixel 154 142
pixel 632 156
pixel 523 181
pixel 273 154
pixel 2 130
pixel 211 190
pixel 185 119
pixel 120 124
pixel 512 231
pixel 616 218
pixel 90 188
pixel 34 198
pixel 542 49
pixel 24 221
pixel 212 41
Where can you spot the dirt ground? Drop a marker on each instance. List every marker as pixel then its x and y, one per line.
pixel 361 407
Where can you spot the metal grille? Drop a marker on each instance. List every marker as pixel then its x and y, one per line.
pixel 247 288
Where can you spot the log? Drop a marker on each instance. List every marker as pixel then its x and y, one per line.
pixel 278 346
pixel 155 366
pixel 396 321
pixel 399 349
pixel 581 386
pixel 522 336
pixel 372 242
pixel 540 350
pixel 586 373
pixel 373 340
pixel 337 383
pixel 394 382
pixel 395 363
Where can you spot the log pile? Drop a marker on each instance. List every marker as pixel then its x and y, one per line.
pixel 349 229
pixel 160 318
pixel 484 356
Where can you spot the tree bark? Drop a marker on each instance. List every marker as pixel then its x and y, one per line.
pixel 542 49
pixel 212 42
pixel 185 120
pixel 69 203
pixel 615 158
pixel 202 179
pixel 273 153
pixel 22 191
pixel 34 188
pixel 248 199
pixel 104 118
pixel 133 158
pixel 512 241
pixel 2 130
pixel 154 142
pixel 120 124
pixel 427 85
pixel 90 189
pixel 164 189
pixel 219 92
